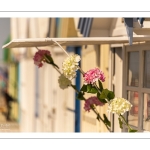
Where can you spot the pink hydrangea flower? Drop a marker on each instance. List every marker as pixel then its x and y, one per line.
pixel 93 75
pixel 39 57
pixel 92 101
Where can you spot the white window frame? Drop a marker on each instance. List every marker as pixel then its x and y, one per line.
pixel 113 79
pixel 140 48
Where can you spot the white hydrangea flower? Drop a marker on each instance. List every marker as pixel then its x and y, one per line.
pixel 70 66
pixel 119 106
pixel 63 82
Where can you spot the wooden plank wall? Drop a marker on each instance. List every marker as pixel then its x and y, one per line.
pixel 53 101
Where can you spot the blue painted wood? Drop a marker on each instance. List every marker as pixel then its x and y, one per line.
pixel 84 26
pixel 77 102
pixel 129 28
pixel 76 50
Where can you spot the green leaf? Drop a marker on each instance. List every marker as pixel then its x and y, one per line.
pixel 102 100
pixel 98 118
pixel 89 86
pixel 110 95
pixel 106 121
pixel 84 88
pixel 80 96
pixel 132 130
pixel 100 85
pixel 120 123
pixel 49 58
pixel 90 89
pixel 93 90
pixel 55 65
pixel 104 94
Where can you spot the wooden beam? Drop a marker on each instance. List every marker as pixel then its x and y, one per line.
pixel 38 42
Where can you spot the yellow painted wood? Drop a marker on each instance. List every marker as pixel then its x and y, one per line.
pixel 13 90
pixel 64 27
pixel 52 27
pixel 104 64
pixel 72 32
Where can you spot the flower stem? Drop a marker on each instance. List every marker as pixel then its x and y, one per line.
pixel 94 110
pixel 61 47
pixel 57 70
pixel 125 121
pixel 37 48
pixel 46 58
pixel 100 92
pixel 99 117
pixel 75 88
pixel 82 72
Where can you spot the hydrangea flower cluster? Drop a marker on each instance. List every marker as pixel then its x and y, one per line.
pixel 70 66
pixel 119 106
pixel 93 75
pixel 63 82
pixel 92 101
pixel 39 57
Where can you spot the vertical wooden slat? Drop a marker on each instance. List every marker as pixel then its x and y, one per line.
pixel 104 63
pixel 14 32
pixel 53 28
pixel 27 88
pixel 88 120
